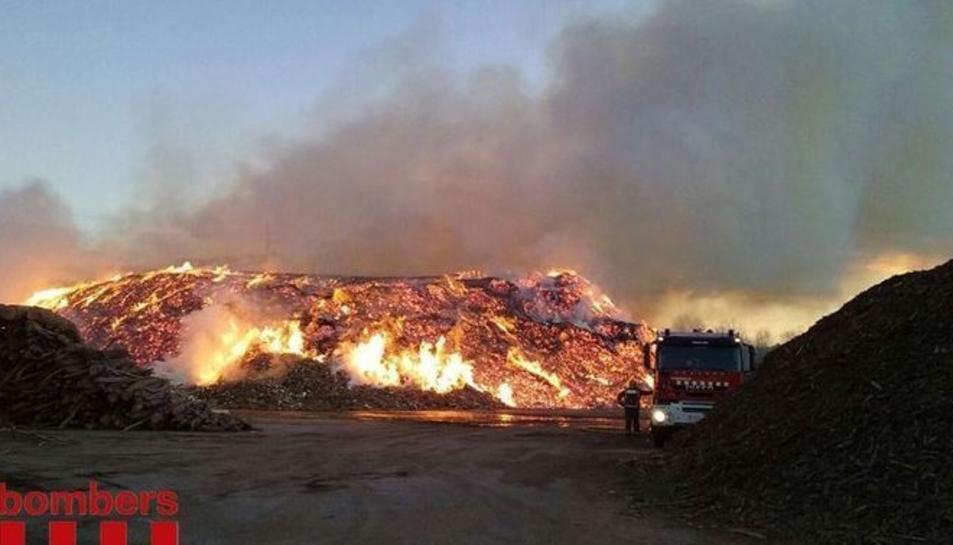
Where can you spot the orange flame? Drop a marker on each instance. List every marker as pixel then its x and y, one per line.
pixel 224 353
pixel 52 298
pixel 516 357
pixel 216 341
pixel 432 367
pixel 505 394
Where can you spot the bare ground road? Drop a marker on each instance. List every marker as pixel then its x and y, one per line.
pixel 368 479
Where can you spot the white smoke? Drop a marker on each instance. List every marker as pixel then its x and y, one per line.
pixel 710 148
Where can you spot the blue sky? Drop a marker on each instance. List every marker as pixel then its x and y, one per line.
pixel 88 88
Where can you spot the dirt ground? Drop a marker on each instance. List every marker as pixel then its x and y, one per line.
pixel 369 478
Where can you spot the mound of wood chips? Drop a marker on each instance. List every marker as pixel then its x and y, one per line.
pixel 846 433
pixel 314 386
pixel 49 378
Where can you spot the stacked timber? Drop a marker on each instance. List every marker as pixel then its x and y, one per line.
pixel 49 378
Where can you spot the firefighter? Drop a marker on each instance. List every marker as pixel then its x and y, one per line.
pixel 630 399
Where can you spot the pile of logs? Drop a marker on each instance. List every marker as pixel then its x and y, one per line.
pixel 49 378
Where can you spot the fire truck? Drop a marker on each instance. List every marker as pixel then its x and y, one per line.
pixel 692 371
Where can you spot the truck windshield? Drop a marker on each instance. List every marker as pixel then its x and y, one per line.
pixel 701 358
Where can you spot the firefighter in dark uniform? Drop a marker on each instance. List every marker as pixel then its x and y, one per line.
pixel 630 399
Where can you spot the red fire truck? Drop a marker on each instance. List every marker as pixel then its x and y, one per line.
pixel 692 371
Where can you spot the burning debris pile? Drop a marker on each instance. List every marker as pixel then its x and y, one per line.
pixel 847 431
pixel 544 340
pixel 49 378
pixel 314 386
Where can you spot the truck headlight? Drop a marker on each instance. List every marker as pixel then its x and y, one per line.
pixel 658 415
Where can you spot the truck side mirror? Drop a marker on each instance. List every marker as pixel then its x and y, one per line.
pixel 753 365
pixel 647 356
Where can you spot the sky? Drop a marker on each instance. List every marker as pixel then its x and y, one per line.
pixel 87 89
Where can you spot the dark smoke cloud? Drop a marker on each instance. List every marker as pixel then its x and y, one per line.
pixel 748 146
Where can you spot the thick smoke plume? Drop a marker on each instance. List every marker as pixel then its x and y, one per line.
pixel 39 243
pixel 744 150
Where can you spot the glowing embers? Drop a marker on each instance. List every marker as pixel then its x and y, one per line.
pixel 516 357
pixel 534 341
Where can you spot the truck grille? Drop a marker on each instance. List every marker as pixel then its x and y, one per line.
pixel 699 385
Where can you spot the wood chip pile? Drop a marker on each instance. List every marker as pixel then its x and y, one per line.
pixel 558 322
pixel 314 386
pixel 49 378
pixel 846 433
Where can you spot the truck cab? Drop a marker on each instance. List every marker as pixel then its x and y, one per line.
pixel 692 370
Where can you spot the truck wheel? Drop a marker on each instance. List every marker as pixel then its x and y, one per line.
pixel 659 436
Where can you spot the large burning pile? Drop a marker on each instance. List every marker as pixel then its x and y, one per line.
pixel 544 340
